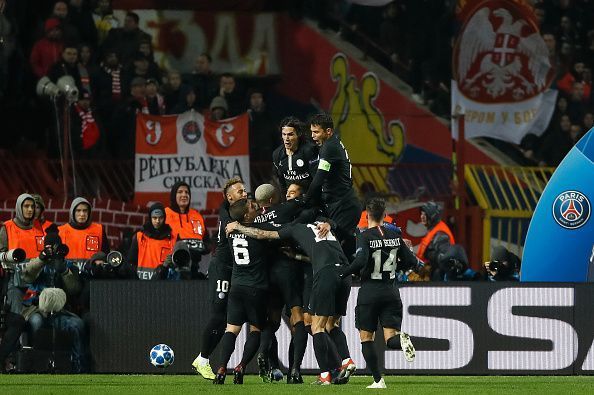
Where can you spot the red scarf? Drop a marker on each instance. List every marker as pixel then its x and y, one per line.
pixel 89 129
pixel 116 85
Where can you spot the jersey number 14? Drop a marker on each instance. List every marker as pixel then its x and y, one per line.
pixel 388 266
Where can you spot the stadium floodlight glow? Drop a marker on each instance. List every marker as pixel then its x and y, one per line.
pixel 45 87
pixel 68 88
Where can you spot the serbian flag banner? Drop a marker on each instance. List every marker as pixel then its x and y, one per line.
pixel 187 147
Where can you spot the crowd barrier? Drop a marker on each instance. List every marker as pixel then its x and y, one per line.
pixel 457 328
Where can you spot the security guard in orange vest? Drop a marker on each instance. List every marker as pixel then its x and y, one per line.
pixel 187 223
pixel 82 236
pixel 438 238
pixel 152 244
pixel 23 231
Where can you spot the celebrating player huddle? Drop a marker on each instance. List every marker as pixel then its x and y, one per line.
pixel 295 254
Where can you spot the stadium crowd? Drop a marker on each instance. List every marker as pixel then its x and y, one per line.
pixel 415 39
pixel 113 67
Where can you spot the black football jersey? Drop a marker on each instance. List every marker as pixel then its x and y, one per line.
pixel 301 165
pixel 380 253
pixel 321 251
pixel 250 258
pixel 334 159
pixel 222 255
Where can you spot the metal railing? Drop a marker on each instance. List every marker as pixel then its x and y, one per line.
pixel 508 196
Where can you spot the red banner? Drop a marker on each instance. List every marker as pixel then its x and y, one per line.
pixel 190 148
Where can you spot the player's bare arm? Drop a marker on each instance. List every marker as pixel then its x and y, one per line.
pixel 251 232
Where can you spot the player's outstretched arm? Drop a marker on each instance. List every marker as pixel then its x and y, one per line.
pixel 252 232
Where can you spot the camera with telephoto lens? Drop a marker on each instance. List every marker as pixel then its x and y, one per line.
pixel 196 245
pixel 10 257
pixel 181 257
pixel 114 259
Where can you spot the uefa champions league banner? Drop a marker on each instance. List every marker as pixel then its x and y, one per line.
pixel 187 147
pixel 457 328
pixel 502 73
pixel 560 240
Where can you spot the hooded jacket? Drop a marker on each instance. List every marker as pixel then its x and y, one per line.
pixel 44 223
pixel 151 246
pixel 438 238
pixel 83 240
pixel 188 225
pixel 21 233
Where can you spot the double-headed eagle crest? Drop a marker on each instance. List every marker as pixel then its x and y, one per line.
pixel 507 63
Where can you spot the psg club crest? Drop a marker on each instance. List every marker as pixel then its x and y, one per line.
pixel 571 209
pixel 500 56
pixel 191 132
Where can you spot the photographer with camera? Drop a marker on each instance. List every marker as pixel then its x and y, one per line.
pixel 188 225
pixel 83 236
pixel 437 240
pixel 53 274
pixel 503 266
pixel 453 264
pixel 152 244
pixel 177 265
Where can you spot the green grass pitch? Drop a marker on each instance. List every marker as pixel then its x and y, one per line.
pixel 172 384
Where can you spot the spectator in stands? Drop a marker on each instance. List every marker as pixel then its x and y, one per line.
pixel 107 86
pixel 67 65
pixel 230 92
pixel 437 240
pixel 577 102
pixel 391 31
pixel 51 281
pixel 146 48
pixel 152 244
pixel 85 132
pixel 155 101
pixel 69 31
pixel 48 49
pixel 528 147
pixel 80 16
pixel 557 143
pixel 172 91
pixel 138 68
pixel 262 127
pixel 218 108
pixel 86 66
pixel 203 79
pixel 39 210
pixel 567 33
pixel 83 236
pixel 123 124
pixel 187 224
pixel 565 83
pixel 104 20
pixel 126 40
pixel 551 44
pixel 188 101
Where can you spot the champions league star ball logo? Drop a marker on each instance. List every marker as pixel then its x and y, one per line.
pixel 571 209
pixel 191 132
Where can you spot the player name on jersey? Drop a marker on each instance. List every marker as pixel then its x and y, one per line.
pixel 265 217
pixel 384 243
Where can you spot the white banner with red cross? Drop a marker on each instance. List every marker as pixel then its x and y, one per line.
pixel 502 73
pixel 187 147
